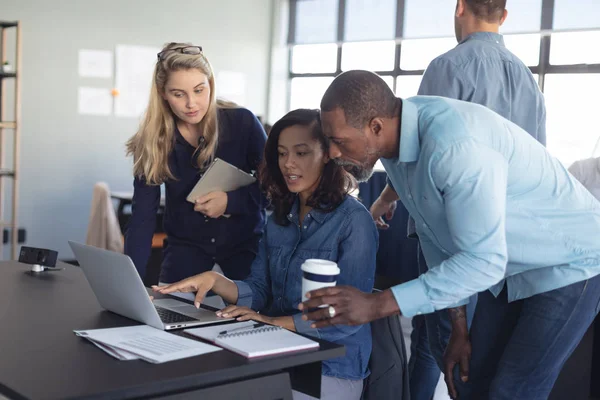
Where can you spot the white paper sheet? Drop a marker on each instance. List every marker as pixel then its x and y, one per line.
pixel 116 353
pixel 95 63
pixel 150 344
pixel 133 79
pixel 94 101
pixel 232 86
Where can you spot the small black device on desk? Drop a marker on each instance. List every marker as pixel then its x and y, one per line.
pixel 40 259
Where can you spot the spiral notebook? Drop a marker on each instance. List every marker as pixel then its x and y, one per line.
pixel 249 340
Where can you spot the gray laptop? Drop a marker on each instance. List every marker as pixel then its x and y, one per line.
pixel 119 289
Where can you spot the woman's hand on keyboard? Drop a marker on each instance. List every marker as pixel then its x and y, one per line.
pixel 200 284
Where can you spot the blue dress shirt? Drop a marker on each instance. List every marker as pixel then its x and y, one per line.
pixel 482 70
pixel 489 203
pixel 346 235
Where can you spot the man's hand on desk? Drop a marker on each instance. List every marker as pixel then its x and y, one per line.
pixel 212 205
pixel 351 306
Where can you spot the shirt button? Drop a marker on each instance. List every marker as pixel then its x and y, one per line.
pixel 425 226
pixel 307 215
pixel 212 240
pixel 290 215
pixel 410 196
pixel 304 226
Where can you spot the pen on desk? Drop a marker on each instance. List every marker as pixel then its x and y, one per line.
pixel 242 328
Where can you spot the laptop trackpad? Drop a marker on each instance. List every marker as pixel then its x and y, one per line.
pixel 182 308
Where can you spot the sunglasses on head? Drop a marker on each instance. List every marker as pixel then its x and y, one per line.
pixel 184 50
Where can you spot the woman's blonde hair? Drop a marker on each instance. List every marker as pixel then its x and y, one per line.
pixel 153 142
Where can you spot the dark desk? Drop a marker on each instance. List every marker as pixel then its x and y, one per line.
pixel 41 358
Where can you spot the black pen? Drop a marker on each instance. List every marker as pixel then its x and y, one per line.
pixel 243 328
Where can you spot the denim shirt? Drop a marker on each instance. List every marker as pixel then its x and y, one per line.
pixel 346 235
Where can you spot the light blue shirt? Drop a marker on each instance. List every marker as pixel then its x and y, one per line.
pixel 480 69
pixel 489 203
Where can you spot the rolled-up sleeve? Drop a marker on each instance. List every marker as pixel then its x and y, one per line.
pixel 255 291
pixel 472 179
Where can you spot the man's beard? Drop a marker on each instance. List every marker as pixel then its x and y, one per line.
pixel 362 174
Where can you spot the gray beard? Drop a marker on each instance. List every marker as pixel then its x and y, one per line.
pixel 361 174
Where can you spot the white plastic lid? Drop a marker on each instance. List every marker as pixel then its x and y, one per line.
pixel 320 267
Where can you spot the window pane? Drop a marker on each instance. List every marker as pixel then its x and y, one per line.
pixel 526 47
pixel 571 109
pixel 307 92
pixel 417 54
pixel 523 16
pixel 429 18
pixel 389 80
pixel 370 20
pixel 372 56
pixel 307 58
pixel 407 85
pixel 316 21
pixel 582 14
pixel 575 48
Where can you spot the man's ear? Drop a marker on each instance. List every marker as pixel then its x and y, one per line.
pixel 503 18
pixel 376 126
pixel 460 8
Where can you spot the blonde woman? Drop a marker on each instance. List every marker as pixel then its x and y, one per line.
pixel 184 129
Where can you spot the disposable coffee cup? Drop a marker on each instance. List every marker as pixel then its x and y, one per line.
pixel 317 274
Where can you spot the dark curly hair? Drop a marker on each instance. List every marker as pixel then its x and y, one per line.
pixel 335 182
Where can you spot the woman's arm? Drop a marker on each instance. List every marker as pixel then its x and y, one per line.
pixel 201 284
pixel 141 226
pixel 239 201
pixel 255 291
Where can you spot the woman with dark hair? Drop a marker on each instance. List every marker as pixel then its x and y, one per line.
pixel 314 217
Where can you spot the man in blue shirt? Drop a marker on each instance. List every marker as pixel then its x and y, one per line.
pixel 480 70
pixel 495 214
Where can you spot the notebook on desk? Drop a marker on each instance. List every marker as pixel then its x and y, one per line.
pixel 250 341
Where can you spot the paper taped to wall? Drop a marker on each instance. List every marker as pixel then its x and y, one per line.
pixel 133 79
pixel 95 63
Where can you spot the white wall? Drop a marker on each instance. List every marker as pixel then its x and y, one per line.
pixel 62 153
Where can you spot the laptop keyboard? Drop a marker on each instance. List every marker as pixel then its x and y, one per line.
pixel 171 317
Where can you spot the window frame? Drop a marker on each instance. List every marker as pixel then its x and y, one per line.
pixel 544 67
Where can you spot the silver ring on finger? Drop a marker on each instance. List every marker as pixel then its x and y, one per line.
pixel 331 310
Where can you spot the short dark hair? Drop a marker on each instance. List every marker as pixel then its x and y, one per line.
pixel 335 182
pixel 488 10
pixel 362 95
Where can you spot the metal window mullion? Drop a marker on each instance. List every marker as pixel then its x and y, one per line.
pixel 341 26
pixel 546 24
